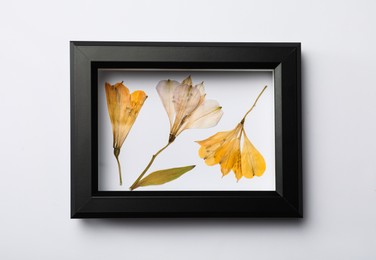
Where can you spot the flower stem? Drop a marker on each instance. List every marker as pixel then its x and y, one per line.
pixel 134 185
pixel 254 104
pixel 116 153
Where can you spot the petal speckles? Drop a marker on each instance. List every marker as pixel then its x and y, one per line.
pixel 123 109
pixel 223 148
pixel 186 106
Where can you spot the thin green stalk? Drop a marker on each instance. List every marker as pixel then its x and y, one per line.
pixel 116 153
pixel 121 179
pixel 254 104
pixel 134 185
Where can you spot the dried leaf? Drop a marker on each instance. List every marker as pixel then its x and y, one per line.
pixel 163 176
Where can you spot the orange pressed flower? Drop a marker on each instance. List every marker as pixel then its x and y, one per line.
pixel 223 148
pixel 123 109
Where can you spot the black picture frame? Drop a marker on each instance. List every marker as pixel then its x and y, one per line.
pixel 85 60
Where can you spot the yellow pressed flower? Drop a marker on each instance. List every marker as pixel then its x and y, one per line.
pixel 186 108
pixel 123 109
pixel 223 148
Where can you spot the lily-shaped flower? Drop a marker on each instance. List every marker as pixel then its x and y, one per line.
pixel 223 148
pixel 123 109
pixel 186 108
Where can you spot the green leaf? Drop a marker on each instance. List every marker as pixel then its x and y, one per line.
pixel 163 176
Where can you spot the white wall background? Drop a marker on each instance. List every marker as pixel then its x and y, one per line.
pixel 339 93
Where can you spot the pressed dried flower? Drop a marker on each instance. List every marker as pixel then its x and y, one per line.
pixel 223 148
pixel 123 109
pixel 186 108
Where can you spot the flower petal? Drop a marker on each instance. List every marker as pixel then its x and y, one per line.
pixel 210 145
pixel 166 90
pixel 211 148
pixel 252 161
pixel 129 114
pixel 186 99
pixel 138 98
pixel 129 117
pixel 201 88
pixel 118 100
pixel 237 168
pixel 207 153
pixel 187 81
pixel 217 138
pixel 228 154
pixel 206 115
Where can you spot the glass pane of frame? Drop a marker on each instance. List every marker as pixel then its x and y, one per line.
pixel 235 91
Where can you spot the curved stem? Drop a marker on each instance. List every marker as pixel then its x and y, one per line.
pixel 118 162
pixel 134 185
pixel 254 104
